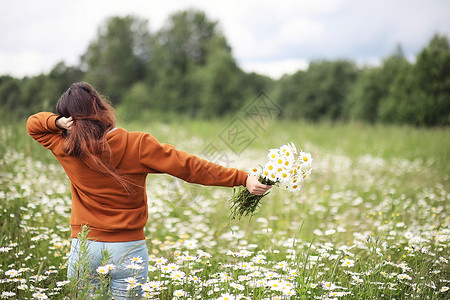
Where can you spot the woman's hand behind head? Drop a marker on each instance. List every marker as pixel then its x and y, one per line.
pixel 64 123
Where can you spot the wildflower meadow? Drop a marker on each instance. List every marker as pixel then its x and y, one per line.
pixel 371 221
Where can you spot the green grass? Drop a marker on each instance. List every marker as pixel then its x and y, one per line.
pixel 372 223
pixel 430 146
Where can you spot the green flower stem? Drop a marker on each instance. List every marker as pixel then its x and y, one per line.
pixel 245 203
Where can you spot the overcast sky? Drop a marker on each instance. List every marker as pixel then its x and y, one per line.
pixel 271 37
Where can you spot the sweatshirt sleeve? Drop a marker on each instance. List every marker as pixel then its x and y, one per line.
pixel 42 127
pixel 165 158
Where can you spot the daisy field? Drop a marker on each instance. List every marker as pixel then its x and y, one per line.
pixel 371 221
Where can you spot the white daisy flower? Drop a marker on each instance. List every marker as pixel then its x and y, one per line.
pixel 270 167
pixel 130 280
pixel 328 286
pixel 294 187
pixel 40 296
pixel 254 172
pixel 289 292
pixel 165 269
pixel 102 270
pixel 134 267
pixel 62 283
pixel 330 232
pixel 288 150
pixel 306 158
pixel 280 162
pixel 265 174
pixel 243 253
pixel 188 258
pixel 6 294
pixel 276 285
pixel 161 261
pixel 237 286
pixel 173 266
pixel 443 260
pixel 154 284
pixel 179 293
pixel 12 273
pixel 337 294
pixel 281 265
pixel 226 296
pixel 177 275
pixel 273 154
pixel 348 263
pixel 136 260
pixel 273 177
pixel 284 176
pixel 404 276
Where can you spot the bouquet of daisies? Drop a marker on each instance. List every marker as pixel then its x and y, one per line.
pixel 286 167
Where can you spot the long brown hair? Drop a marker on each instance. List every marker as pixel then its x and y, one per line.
pixel 93 116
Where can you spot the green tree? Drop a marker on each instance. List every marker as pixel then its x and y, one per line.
pixel 63 76
pixel 432 71
pixel 370 98
pixel 37 93
pixel 290 94
pixel 402 104
pixel 397 87
pixel 136 102
pixel 192 70
pixel 220 81
pixel 185 38
pixel 10 94
pixel 256 83
pixel 117 58
pixel 320 92
pixel 363 99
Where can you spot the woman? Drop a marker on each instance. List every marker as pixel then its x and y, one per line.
pixel 107 168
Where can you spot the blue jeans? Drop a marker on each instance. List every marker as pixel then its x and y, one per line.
pixel 123 255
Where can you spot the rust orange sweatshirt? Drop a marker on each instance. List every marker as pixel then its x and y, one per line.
pixel 99 201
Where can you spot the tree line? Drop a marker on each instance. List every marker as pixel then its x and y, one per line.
pixel 187 68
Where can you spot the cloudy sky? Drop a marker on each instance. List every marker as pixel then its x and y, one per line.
pixel 271 37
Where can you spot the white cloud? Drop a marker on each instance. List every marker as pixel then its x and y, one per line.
pixel 16 63
pixel 299 31
pixel 276 69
